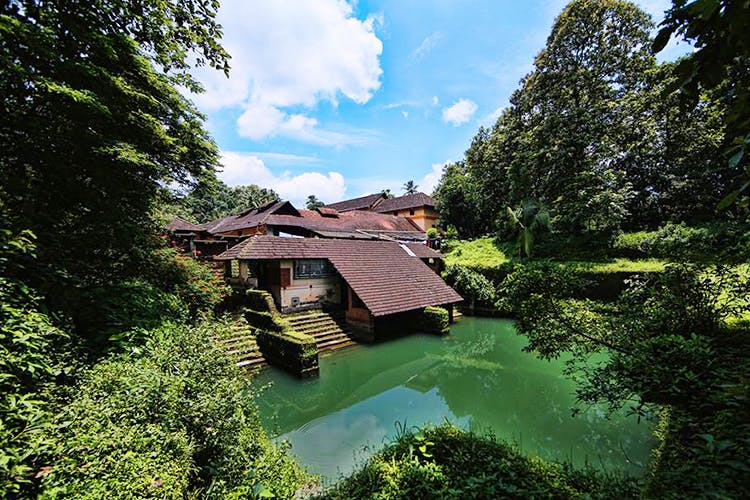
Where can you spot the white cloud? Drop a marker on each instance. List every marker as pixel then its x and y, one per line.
pixel 405 114
pixel 435 100
pixel 291 53
pixel 429 43
pixel 490 118
pixel 430 181
pixel 460 112
pixel 244 168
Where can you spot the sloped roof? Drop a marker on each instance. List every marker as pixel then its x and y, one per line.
pixel 346 221
pixel 179 224
pixel 405 202
pixel 361 203
pixel 251 217
pixel 382 273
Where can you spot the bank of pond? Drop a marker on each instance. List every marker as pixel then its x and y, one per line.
pixel 478 378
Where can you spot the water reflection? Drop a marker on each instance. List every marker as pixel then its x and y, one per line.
pixel 477 377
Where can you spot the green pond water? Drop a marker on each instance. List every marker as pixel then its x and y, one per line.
pixel 477 377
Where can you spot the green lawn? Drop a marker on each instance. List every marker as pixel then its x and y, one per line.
pixel 620 265
pixel 479 253
pixel 486 253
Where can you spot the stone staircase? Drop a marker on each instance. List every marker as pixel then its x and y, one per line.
pixel 239 343
pixel 329 329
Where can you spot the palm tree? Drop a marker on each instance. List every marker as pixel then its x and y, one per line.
pixel 410 187
pixel 313 202
pixel 387 193
pixel 531 217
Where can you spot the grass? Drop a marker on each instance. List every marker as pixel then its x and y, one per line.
pixel 476 254
pixel 620 265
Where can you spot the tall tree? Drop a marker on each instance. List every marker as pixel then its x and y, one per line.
pixel 718 30
pixel 313 202
pixel 410 187
pixel 93 126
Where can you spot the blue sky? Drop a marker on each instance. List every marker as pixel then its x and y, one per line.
pixel 341 99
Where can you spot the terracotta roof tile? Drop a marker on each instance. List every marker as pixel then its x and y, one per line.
pixel 178 224
pixel 404 202
pixel 381 273
pixel 361 203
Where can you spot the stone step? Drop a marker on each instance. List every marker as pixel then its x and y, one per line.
pixel 311 321
pixel 326 338
pixel 251 363
pixel 318 327
pixel 326 333
pixel 335 344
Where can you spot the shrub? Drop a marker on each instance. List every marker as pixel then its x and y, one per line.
pixel 472 286
pixel 432 233
pixel 27 364
pixel 435 320
pixel 176 421
pixel 446 462
pixel 678 241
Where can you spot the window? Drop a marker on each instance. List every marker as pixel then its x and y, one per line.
pixel 311 268
pixel 411 211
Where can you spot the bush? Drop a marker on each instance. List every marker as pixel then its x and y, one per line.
pixel 681 242
pixel 176 421
pixel 446 462
pixel 476 290
pixel 435 320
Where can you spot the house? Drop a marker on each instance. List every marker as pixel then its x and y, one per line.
pixel 281 218
pixel 417 207
pixel 377 283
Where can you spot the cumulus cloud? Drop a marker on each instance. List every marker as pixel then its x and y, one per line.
pixel 291 53
pixel 430 180
pixel 490 118
pixel 460 112
pixel 244 168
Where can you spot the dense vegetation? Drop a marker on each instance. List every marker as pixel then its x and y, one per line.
pixel 642 282
pixel 445 462
pixel 594 135
pixel 111 383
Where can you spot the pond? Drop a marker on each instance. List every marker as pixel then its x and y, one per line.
pixel 477 377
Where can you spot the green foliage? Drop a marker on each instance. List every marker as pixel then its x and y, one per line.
pixel 471 285
pixel 460 208
pixel 667 342
pixel 435 320
pixel 313 202
pixel 175 421
pixel 482 253
pixel 409 187
pixel 446 462
pixel 678 241
pixel 93 128
pixel 27 351
pixel 212 199
pixel 530 218
pixel 432 233
pixel 717 29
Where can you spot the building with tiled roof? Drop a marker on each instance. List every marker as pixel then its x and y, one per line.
pixel 367 202
pixel 370 280
pixel 417 207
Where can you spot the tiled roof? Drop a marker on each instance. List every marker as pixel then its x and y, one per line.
pixel 361 203
pixel 381 273
pixel 178 224
pixel 284 214
pixel 405 202
pixel 251 217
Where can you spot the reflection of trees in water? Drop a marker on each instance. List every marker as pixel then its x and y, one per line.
pixel 532 408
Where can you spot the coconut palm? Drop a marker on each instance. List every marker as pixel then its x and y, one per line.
pixel 531 217
pixel 313 202
pixel 410 187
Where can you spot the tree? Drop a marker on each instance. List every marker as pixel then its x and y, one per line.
pixel 93 127
pixel 717 30
pixel 313 202
pixel 213 199
pixel 387 193
pixel 531 218
pixel 457 197
pixel 410 187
